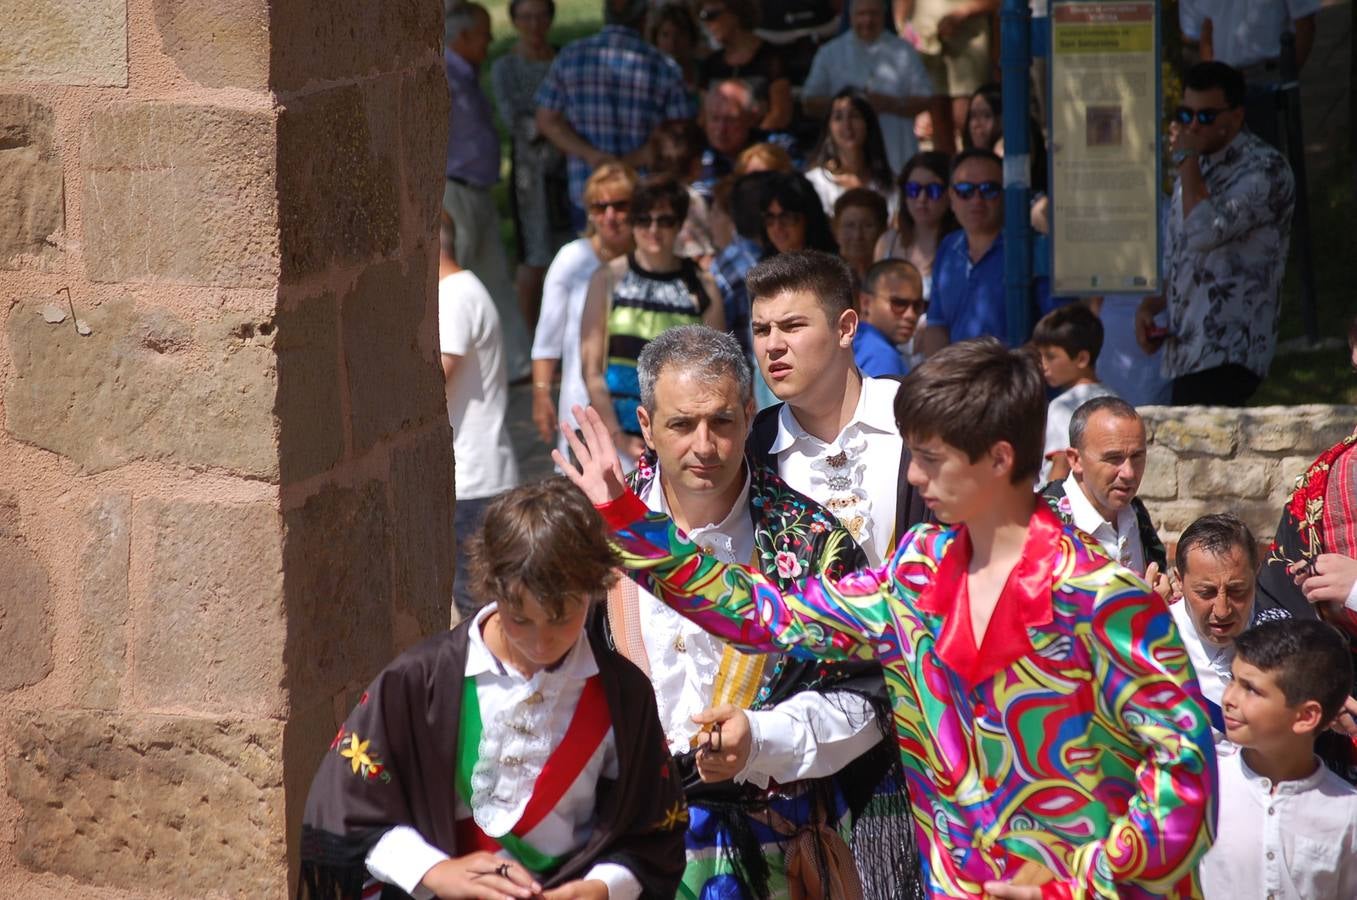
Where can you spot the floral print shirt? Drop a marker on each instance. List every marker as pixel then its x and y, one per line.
pixel 1073 734
pixel 1223 264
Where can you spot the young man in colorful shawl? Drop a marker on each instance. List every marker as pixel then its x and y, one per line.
pixel 778 757
pixel 515 756
pixel 1046 712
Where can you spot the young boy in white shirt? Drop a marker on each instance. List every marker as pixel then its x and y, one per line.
pixel 1068 341
pixel 1288 825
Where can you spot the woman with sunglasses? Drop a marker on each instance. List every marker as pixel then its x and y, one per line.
pixel 793 218
pixel 635 297
pixel 607 199
pixel 852 152
pixel 743 54
pixel 925 217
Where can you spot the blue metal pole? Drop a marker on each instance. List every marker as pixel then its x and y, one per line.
pixel 1016 61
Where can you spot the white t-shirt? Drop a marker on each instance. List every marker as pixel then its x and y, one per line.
pixel 558 326
pixel 888 65
pixel 829 191
pixel 1244 32
pixel 478 394
pixel 1058 415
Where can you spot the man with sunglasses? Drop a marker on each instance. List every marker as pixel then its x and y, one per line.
pixel 1225 247
pixel 968 273
pixel 891 304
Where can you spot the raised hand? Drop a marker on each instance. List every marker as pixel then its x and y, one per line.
pixel 723 751
pixel 599 473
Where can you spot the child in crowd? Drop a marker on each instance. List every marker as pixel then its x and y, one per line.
pixel 1068 340
pixel 1288 825
pixel 516 755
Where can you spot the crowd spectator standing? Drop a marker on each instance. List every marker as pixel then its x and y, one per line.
pixel 605 95
pixel 890 304
pixel 537 197
pixel 1068 341
pixel 473 169
pixel 881 65
pixel 607 196
pixel 471 350
pixel 953 42
pixel 851 153
pixel 1225 247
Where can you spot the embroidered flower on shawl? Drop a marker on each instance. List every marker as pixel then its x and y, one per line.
pixel 363 762
pixel 1064 508
pixel 788 566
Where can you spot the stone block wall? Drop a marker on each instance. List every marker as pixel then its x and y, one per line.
pixel 1243 461
pixel 225 463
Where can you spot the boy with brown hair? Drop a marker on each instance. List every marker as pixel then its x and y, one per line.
pixel 1051 730
pixel 1288 824
pixel 521 710
pixel 1068 340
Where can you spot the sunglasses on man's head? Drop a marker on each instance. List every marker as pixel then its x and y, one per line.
pixel 1185 114
pixel 967 189
pixel 603 206
pixel 932 191
pixel 711 13
pixel 664 220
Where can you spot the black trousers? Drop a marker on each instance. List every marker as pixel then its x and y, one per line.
pixel 1227 385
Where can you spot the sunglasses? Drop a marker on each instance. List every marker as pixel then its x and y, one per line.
pixel 664 220
pixel 967 189
pixel 933 191
pixel 901 305
pixel 1185 114
pixel 784 218
pixel 603 206
pixel 711 13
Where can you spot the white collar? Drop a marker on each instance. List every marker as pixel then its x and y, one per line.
pixel 1268 786
pixel 875 411
pixel 1087 518
pixel 578 664
pixel 721 533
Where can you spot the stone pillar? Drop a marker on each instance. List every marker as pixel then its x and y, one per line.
pixel 225 463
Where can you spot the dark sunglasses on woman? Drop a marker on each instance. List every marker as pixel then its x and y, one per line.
pixel 933 190
pixel 988 189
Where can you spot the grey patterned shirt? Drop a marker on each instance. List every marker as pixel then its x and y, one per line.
pixel 1223 264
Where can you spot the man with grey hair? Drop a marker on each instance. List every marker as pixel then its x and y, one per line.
pixel 473 169
pixel 1107 454
pixel 750 733
pixel 605 95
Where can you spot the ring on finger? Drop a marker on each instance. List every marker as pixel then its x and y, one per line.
pixel 503 870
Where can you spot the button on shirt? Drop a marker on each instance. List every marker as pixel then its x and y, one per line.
pixel 1289 840
pixel 613 89
pixel 1119 540
pixel 525 719
pixel 888 65
pixel 473 145
pixel 968 297
pixel 856 476
pixel 1223 264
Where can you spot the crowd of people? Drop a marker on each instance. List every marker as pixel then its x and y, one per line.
pixel 849 597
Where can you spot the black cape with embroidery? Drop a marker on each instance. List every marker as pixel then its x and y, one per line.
pixel 407 726
pixel 788 522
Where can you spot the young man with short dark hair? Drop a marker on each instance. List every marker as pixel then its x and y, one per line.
pixel 833 438
pixel 1046 714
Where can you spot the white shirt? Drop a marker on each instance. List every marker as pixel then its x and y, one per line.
pixel 478 394
pixel 1119 540
pixel 1058 414
pixel 524 719
pixel 808 735
pixel 828 189
pixel 558 327
pixel 857 475
pixel 1290 840
pixel 1244 32
pixel 888 65
pixel 1211 662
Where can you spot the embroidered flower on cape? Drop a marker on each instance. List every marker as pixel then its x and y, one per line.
pixel 788 566
pixel 363 761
